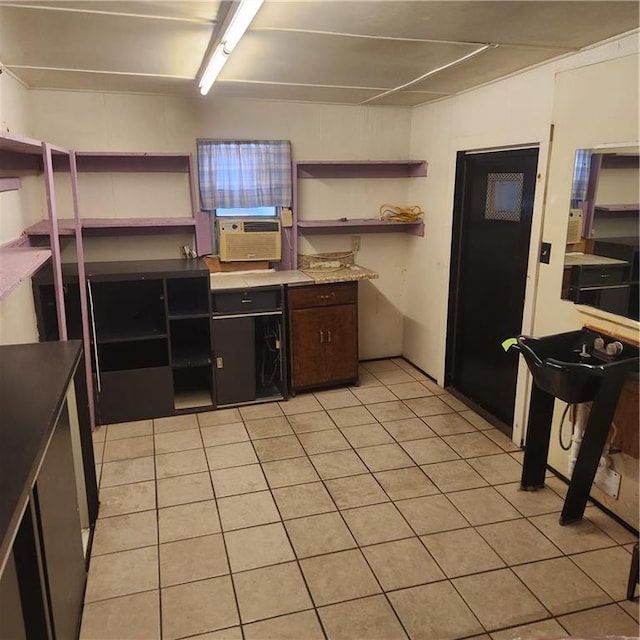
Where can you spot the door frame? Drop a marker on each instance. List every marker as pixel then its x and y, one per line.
pixel 524 380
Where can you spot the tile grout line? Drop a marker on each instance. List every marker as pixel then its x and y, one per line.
pixel 224 541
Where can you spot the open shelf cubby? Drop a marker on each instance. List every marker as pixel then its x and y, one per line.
pixel 192 388
pixel 187 297
pixel 190 342
pixel 143 354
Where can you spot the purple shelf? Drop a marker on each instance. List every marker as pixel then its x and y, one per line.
pixel 18 264
pixel 9 184
pixel 20 153
pixel 359 225
pixel 362 169
pixel 620 160
pixel 110 161
pixel 111 226
pixel 617 208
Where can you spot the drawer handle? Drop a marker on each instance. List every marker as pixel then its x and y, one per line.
pixel 246 301
pixel 328 335
pixel 321 336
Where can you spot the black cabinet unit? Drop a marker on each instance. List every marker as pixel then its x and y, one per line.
pixel 249 345
pixel 49 493
pixel 150 334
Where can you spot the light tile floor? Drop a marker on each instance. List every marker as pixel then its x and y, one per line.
pixel 384 511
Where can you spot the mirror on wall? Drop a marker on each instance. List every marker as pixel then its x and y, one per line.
pixel 601 260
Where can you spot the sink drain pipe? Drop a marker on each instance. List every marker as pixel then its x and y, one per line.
pixel 581 417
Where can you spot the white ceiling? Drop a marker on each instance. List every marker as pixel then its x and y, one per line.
pixel 330 51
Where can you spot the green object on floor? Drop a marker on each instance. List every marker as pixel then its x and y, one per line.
pixel 508 343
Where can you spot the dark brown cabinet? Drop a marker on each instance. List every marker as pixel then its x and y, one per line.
pixel 323 334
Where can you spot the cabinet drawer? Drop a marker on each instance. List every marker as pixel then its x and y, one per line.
pixel 599 275
pixel 246 301
pixel 322 295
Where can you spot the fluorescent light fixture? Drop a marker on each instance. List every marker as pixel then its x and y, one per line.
pixel 239 23
pixel 214 67
pixel 241 20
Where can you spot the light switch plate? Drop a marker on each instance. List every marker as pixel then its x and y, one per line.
pixel 545 252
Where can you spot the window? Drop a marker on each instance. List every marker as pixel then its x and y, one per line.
pixel 244 174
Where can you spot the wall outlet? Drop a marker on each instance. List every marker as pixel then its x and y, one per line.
pixel 355 244
pixel 286 217
pixel 609 481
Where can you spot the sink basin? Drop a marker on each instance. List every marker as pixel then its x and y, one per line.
pixel 569 366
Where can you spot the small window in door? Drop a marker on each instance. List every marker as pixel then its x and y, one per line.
pixel 504 196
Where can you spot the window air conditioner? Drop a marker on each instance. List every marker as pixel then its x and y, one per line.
pixel 245 240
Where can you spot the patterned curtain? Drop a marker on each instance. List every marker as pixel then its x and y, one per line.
pixel 580 177
pixel 244 173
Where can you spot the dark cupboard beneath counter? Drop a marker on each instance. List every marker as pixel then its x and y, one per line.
pixel 49 492
pixel 323 334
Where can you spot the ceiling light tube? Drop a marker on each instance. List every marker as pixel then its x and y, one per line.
pixel 214 67
pixel 241 20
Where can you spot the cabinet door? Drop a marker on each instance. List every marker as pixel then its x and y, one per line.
pixel 341 343
pixel 234 362
pixel 59 523
pixel 134 394
pixel 308 335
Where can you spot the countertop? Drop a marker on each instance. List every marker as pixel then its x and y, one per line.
pixel 245 280
pixel 588 259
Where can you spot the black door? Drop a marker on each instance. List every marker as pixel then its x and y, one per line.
pixel 491 233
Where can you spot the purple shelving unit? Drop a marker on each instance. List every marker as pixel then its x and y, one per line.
pixel 125 162
pixel 18 264
pixel 362 169
pixel 342 169
pixel 9 184
pixel 115 226
pixel 113 161
pixel 358 225
pixel 18 261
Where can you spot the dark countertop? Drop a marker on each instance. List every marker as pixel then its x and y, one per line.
pixel 33 382
pixel 175 267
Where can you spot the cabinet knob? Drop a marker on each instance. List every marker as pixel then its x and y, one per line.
pixel 321 333
pixel 219 363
